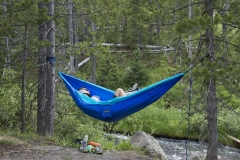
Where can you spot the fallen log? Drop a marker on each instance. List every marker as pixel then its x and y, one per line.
pixel 233 138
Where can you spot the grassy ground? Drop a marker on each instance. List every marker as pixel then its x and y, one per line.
pixel 32 148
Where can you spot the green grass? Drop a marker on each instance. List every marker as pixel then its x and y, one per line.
pixel 6 142
pixel 156 120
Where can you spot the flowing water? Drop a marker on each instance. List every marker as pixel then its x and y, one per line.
pixel 176 149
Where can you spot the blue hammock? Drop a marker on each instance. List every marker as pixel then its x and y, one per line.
pixel 111 109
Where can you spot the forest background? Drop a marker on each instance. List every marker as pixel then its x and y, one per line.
pixel 121 42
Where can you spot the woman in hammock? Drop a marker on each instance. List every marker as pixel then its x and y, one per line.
pixel 118 93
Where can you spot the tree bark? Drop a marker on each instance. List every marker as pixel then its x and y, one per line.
pixel 24 80
pixel 211 92
pixel 41 93
pixel 70 23
pixel 225 44
pixel 46 75
pixel 93 57
pixel 50 73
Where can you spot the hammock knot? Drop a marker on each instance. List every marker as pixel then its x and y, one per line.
pixel 51 60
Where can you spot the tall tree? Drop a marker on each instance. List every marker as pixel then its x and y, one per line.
pixel 24 78
pixel 41 94
pixel 224 26
pixel 46 73
pixel 50 72
pixel 214 26
pixel 211 90
pixel 137 23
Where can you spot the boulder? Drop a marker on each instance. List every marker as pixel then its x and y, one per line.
pixel 150 145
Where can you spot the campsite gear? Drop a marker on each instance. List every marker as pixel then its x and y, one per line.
pixel 91 149
pixel 99 150
pixel 97 146
pixel 94 143
pixel 85 138
pixel 83 145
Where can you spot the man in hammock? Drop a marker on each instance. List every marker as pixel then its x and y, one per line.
pixel 118 93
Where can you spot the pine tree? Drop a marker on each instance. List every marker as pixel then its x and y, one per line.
pixel 108 73
pixel 137 72
pixel 211 90
pixel 21 19
pixel 46 73
pixel 205 26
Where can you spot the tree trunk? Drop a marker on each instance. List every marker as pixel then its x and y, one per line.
pixel 46 75
pixel 24 80
pixel 225 44
pixel 211 92
pixel 4 8
pixel 75 27
pixel 73 38
pixel 70 23
pixel 50 73
pixel 93 57
pixel 41 97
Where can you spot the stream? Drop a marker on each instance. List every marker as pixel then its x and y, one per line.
pixel 176 149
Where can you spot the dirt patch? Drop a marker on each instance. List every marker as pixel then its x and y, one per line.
pixel 15 149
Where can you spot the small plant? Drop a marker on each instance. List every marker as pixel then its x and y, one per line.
pixel 5 142
pixel 123 145
pixel 108 145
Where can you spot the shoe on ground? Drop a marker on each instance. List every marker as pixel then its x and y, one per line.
pixel 99 150
pixel 83 147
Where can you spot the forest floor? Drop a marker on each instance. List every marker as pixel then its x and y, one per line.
pixel 41 149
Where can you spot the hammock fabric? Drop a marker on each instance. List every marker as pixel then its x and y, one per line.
pixel 111 109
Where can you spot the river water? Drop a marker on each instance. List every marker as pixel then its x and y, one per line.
pixel 176 149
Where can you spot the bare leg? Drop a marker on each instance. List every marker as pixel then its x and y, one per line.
pixel 119 92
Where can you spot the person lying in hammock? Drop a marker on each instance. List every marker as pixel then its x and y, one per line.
pixel 118 93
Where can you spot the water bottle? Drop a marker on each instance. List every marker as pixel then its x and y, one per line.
pixel 83 146
pixel 85 138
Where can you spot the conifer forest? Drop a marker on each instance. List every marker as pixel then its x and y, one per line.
pixel 117 43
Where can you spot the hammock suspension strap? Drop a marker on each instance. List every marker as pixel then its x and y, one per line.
pixel 189 108
pixel 51 60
